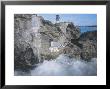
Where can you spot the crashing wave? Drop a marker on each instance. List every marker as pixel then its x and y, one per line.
pixel 64 66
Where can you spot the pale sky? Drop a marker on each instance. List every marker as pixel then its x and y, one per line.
pixel 77 19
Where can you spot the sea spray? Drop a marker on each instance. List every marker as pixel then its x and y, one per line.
pixel 63 66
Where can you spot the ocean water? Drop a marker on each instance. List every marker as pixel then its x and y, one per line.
pixel 63 66
pixel 86 28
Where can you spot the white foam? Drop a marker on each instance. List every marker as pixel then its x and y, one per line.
pixel 65 66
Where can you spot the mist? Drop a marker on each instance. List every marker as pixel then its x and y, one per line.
pixel 63 66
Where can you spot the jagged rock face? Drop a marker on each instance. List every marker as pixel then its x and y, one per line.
pixel 89 50
pixel 48 33
pixel 69 30
pixel 85 47
pixel 32 39
pixel 72 31
pixel 89 45
pixel 24 59
pixel 23 42
pixel 73 51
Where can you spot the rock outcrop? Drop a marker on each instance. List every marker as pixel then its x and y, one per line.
pixel 24 55
pixel 34 38
pixel 89 45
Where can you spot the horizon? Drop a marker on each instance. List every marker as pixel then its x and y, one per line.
pixel 76 19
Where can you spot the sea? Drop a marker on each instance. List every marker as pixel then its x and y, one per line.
pixel 87 28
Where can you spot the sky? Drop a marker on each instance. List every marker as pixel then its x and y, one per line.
pixel 77 19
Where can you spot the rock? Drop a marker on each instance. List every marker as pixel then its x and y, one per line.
pixel 73 51
pixel 33 36
pixel 72 31
pixel 89 43
pixel 24 54
pixel 90 35
pixel 24 60
pixel 47 22
pixel 89 50
pixel 84 47
pixel 69 30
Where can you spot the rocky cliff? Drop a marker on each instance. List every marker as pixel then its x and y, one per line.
pixel 36 40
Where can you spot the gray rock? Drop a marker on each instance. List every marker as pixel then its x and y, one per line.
pixel 89 50
pixel 24 54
